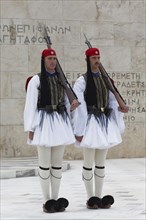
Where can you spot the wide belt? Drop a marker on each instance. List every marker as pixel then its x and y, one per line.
pixel 52 108
pixel 98 111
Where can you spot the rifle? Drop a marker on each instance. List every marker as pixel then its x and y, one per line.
pixel 69 91
pixel 110 83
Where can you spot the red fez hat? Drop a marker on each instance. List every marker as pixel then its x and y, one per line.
pixel 92 52
pixel 48 52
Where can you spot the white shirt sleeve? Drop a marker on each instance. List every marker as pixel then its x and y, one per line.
pixel 67 105
pixel 116 114
pixel 79 115
pixel 31 103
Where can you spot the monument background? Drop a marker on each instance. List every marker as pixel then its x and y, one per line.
pixel 117 27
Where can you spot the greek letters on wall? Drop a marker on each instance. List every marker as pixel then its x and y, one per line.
pixel 28 34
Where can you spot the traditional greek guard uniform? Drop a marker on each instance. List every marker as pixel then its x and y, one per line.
pixel 50 123
pixel 46 114
pixel 101 124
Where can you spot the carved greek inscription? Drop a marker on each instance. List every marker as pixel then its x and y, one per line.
pixel 28 34
pixel 132 86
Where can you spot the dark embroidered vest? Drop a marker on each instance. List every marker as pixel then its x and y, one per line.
pixel 99 98
pixel 56 95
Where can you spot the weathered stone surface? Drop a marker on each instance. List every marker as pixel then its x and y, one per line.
pixel 11 111
pixel 5 85
pixel 132 34
pixel 80 11
pixel 98 32
pixel 14 58
pixel 13 142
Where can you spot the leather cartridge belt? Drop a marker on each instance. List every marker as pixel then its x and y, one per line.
pixel 98 111
pixel 52 108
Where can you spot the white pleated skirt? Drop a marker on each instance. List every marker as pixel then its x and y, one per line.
pixel 100 137
pixel 51 130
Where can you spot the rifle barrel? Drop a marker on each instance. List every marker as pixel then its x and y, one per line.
pixel 69 91
pixel 113 88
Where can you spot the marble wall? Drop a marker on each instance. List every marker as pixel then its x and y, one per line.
pixel 117 27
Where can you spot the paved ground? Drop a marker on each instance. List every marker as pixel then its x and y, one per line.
pixel 21 197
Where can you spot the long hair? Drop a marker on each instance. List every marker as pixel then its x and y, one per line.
pixel 45 94
pixel 90 91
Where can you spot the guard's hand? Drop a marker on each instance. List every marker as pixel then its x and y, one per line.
pixel 74 105
pixel 30 135
pixel 123 108
pixel 79 138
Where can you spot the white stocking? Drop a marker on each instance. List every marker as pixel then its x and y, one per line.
pixel 89 155
pixel 99 172
pixel 44 171
pixel 56 169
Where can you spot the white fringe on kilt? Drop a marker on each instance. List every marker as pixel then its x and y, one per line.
pixel 51 130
